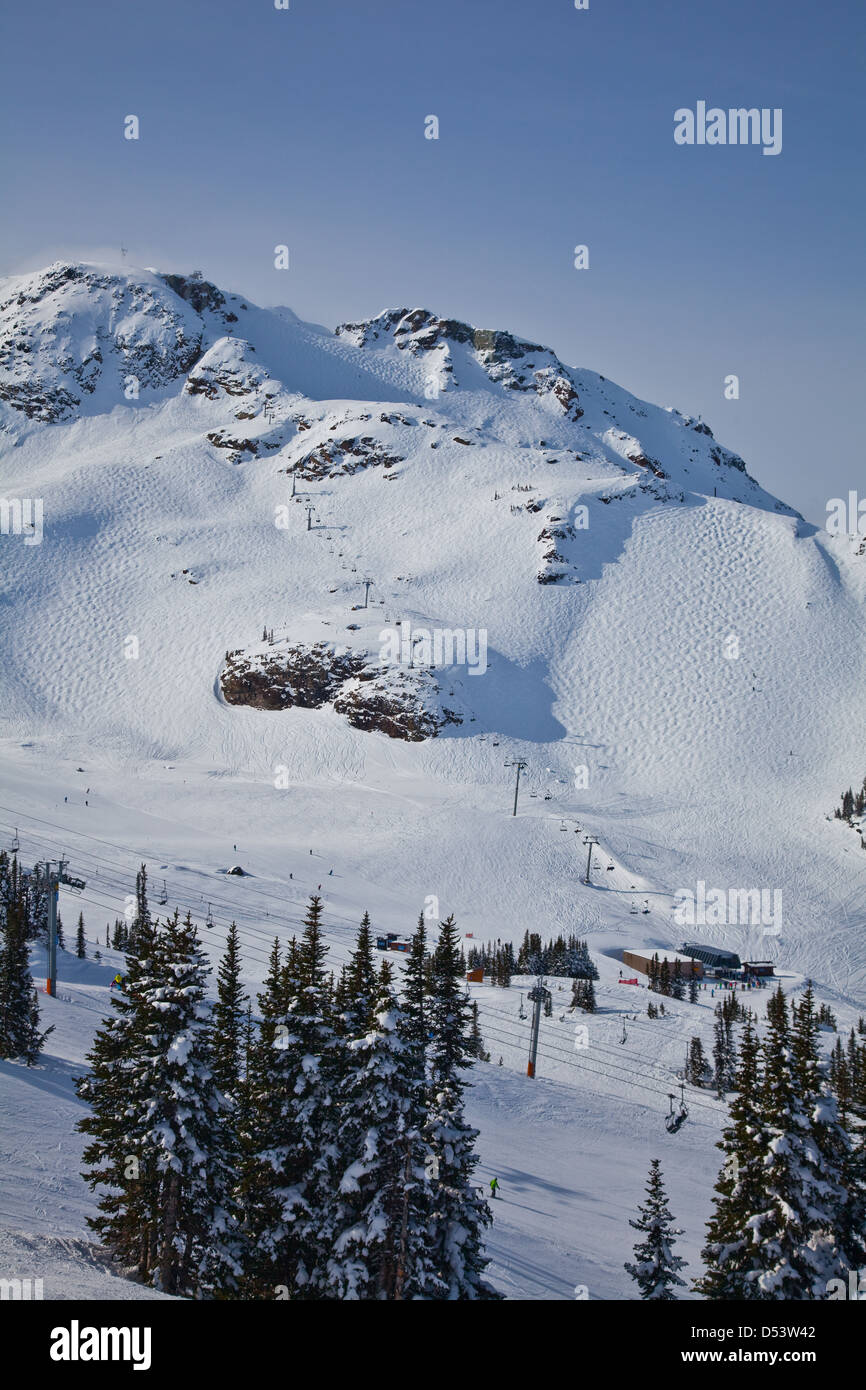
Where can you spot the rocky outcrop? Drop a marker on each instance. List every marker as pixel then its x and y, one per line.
pixel 503 357
pixel 72 330
pixel 400 702
pixel 341 456
pixel 279 677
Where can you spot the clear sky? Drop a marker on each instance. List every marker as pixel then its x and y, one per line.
pixel 306 127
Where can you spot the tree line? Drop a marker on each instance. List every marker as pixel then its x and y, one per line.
pixel 789 1218
pixel 316 1148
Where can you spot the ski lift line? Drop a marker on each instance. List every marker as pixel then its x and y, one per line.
pixel 638 1056
pixel 254 949
pixel 567 1059
pixel 585 1066
pixel 180 893
pixel 251 950
pixel 552 1043
pixel 648 1081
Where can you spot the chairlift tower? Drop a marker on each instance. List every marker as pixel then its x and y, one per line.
pixel 591 841
pixel 519 764
pixel 537 996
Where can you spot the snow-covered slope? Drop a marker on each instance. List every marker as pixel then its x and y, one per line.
pixel 678 657
pixel 456 469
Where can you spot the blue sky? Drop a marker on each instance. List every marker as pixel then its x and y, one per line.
pixel 306 127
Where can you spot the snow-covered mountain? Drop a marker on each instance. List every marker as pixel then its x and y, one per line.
pixel 677 655
pixel 292 599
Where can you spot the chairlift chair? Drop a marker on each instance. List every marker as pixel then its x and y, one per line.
pixel 16 843
pixel 163 897
pixel 208 921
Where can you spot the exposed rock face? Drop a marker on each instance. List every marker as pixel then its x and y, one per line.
pixel 277 678
pixel 201 294
pixel 555 566
pixel 341 456
pixel 401 704
pixel 504 358
pixel 397 701
pixel 75 330
pixel 225 369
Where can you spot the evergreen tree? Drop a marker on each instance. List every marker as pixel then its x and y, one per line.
pixel 460 1212
pixel 696 1063
pixel 156 1127
pixel 80 942
pixel 378 1251
pixel 655 1266
pixel 694 988
pixel 583 996
pixel 360 985
pixel 733 1255
pixel 476 1042
pixel 197 1241
pixel 228 1018
pixel 19 1007
pixel 678 984
pixel 118 1156
pixel 266 1143
pixel 288 1189
pixel 804 1229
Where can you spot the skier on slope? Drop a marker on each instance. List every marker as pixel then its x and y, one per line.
pixel 494 1186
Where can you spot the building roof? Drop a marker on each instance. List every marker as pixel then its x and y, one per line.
pixel 723 957
pixel 647 953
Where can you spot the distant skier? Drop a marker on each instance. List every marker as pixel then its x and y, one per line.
pixel 494 1187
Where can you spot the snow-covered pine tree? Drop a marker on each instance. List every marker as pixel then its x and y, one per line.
pixel 694 988
pixel 360 988
pixel 308 1073
pixel 804 1227
pixel 678 984
pixel 461 1214
pixel 197 1238
pixel 19 1007
pixel 838 1175
pixel 583 995
pixel 80 940
pixel 377 1249
pixel 855 1167
pixel 228 1017
pixel 733 1256
pixel 655 1266
pixel 117 1157
pixel 266 1144
pixel 476 1041
pixel 696 1063
pixel 141 921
